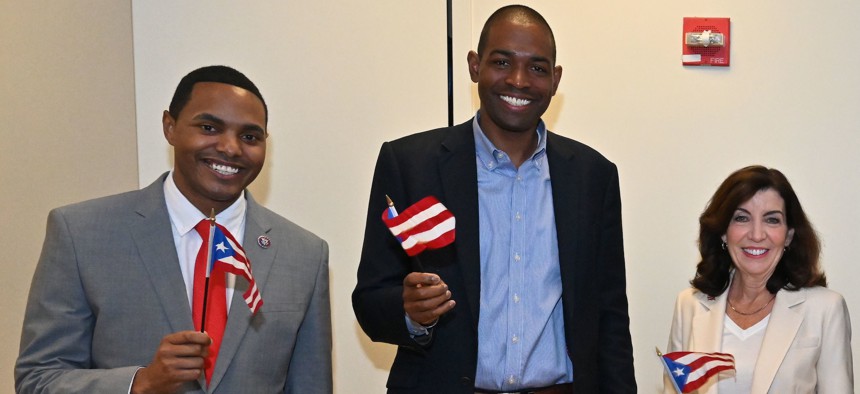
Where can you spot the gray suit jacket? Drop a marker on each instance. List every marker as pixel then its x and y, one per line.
pixel 108 287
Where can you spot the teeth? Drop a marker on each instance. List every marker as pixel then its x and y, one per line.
pixel 222 169
pixel 515 101
pixel 755 252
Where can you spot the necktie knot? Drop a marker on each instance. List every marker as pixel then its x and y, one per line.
pixel 203 229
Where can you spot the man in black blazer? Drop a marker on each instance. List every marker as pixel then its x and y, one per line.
pixel 462 314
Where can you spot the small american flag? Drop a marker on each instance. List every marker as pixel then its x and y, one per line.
pixel 425 225
pixel 228 256
pixel 690 370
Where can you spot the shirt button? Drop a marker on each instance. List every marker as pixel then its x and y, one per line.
pixel 512 379
pixel 515 339
pixel 517 257
pixel 519 217
pixel 519 178
pixel 516 298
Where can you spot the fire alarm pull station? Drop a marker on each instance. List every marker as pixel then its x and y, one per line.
pixel 705 42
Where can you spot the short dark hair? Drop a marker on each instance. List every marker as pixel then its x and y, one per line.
pixel 220 74
pixel 799 266
pixel 514 12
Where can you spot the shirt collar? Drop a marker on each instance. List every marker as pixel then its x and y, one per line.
pixel 490 155
pixel 184 215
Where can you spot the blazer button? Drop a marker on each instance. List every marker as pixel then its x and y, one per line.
pixel 466 381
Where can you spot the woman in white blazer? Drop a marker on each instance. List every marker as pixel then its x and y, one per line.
pixel 759 293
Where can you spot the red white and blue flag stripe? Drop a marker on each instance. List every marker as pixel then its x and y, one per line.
pixel 228 256
pixel 690 370
pixel 425 225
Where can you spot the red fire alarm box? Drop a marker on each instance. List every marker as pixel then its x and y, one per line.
pixel 705 42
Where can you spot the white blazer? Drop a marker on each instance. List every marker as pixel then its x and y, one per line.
pixel 806 347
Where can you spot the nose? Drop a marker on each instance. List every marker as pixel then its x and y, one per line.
pixel 229 145
pixel 518 77
pixel 757 232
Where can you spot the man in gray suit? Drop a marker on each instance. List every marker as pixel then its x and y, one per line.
pixel 109 308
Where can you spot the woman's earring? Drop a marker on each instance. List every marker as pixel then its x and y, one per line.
pixel 724 246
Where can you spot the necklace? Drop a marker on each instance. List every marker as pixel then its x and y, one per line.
pixel 750 313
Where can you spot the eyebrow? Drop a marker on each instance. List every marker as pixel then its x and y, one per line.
pixel 214 119
pixel 776 211
pixel 509 53
pixel 209 117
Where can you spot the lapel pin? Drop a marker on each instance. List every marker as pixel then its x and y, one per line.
pixel 264 241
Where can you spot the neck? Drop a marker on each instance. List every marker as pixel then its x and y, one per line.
pixel 748 289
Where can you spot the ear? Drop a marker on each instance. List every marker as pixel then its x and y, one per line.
pixel 789 237
pixel 167 125
pixel 557 75
pixel 474 64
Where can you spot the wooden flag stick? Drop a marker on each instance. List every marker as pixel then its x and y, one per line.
pixel 208 244
pixel 668 371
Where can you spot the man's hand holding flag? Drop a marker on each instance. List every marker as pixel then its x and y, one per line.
pixel 425 225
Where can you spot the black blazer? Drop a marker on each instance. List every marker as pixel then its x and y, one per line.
pixel 587 209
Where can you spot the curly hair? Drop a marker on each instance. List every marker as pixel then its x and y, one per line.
pixel 799 266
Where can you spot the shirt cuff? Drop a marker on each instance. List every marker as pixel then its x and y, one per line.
pixel 417 329
pixel 132 379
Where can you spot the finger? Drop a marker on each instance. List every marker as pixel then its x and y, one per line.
pixel 424 293
pixel 422 307
pixel 428 303
pixel 426 318
pixel 181 345
pixel 418 279
pixel 444 308
pixel 188 337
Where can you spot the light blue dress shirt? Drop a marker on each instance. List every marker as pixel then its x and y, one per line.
pixel 521 328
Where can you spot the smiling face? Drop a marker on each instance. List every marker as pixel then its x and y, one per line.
pixel 219 143
pixel 516 76
pixel 757 234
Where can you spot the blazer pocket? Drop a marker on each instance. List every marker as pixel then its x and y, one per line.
pixel 807 342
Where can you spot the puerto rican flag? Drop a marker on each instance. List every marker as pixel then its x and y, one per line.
pixel 425 225
pixel 690 370
pixel 228 256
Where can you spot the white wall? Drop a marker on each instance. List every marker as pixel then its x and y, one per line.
pixel 789 100
pixel 340 78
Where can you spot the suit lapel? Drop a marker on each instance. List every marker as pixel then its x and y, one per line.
pixel 154 240
pixel 459 178
pixel 239 318
pixel 785 319
pixel 568 221
pixel 709 325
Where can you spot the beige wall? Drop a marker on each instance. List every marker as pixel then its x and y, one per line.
pixel 340 78
pixel 790 100
pixel 68 132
